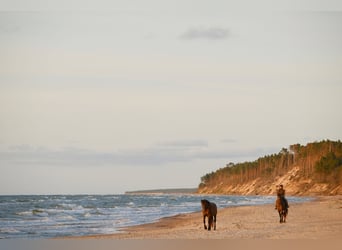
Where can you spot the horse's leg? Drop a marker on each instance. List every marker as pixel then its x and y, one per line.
pixel 280 217
pixel 214 222
pixel 210 221
pixel 205 227
pixel 285 214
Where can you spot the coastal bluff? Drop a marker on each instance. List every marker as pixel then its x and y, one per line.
pixel 313 169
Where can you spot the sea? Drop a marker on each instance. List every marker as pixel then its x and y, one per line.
pixel 51 216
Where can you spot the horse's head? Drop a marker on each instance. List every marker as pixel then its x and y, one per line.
pixel 205 204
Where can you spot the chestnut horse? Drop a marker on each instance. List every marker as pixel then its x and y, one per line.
pixel 209 210
pixel 282 209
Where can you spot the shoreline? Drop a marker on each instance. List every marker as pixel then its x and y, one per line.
pixel 320 218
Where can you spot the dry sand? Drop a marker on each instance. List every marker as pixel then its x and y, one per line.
pixel 318 219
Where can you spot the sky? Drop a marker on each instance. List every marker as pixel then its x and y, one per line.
pixel 103 97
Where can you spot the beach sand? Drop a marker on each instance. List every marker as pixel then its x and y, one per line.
pixel 318 219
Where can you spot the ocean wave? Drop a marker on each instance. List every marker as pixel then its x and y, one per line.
pixel 24 213
pixel 40 213
pixel 9 230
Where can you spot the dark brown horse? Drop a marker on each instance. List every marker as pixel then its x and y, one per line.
pixel 209 210
pixel 282 209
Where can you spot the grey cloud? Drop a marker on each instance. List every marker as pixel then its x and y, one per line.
pixel 171 152
pixel 8 30
pixel 213 33
pixel 21 147
pixel 229 141
pixel 18 155
pixel 7 27
pixel 184 143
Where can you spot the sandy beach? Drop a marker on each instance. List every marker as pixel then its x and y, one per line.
pixel 317 219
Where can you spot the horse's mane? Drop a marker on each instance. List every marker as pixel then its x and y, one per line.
pixel 205 203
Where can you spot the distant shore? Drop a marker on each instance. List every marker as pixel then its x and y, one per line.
pixel 317 219
pixel 165 191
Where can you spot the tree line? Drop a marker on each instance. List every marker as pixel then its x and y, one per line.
pixel 320 161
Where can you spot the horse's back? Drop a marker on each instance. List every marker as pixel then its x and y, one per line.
pixel 213 208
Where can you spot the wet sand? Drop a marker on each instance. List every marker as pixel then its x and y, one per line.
pixel 317 219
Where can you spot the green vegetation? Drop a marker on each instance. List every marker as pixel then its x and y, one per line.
pixel 329 168
pixel 328 163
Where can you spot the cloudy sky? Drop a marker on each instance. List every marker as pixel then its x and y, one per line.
pixel 111 96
